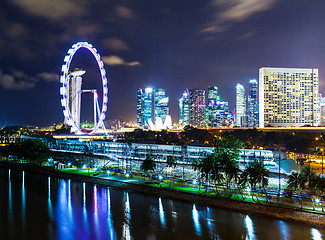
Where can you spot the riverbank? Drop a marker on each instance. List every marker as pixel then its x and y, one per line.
pixel 286 213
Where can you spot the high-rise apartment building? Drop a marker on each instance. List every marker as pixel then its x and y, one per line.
pixel 252 108
pixel 288 97
pixel 240 105
pixel 197 108
pixel 184 109
pixel 322 110
pixel 161 104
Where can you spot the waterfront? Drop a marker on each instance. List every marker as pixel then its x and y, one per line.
pixel 38 207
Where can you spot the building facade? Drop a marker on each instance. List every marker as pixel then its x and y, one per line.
pixel 240 105
pixel 184 109
pixel 197 108
pixel 288 97
pixel 144 106
pixel 252 108
pixel 211 108
pixel 161 104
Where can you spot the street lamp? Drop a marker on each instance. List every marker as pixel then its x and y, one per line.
pixel 322 150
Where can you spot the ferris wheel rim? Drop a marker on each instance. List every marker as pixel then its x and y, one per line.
pixel 63 89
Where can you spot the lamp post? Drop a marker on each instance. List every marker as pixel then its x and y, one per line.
pixel 279 176
pixel 322 150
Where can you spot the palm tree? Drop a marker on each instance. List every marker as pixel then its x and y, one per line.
pixel 171 162
pixel 231 169
pixel 204 166
pixel 308 176
pixel 148 165
pixel 295 182
pixel 87 152
pixel 256 174
pixel 319 183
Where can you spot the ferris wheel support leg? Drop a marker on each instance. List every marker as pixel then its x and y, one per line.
pixel 95 108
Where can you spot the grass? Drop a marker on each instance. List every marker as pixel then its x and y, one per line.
pixel 76 171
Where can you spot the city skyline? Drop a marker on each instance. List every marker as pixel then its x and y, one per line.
pixel 173 45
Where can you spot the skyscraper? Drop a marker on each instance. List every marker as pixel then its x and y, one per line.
pixel 240 105
pixel 74 93
pixel 184 109
pixel 288 97
pixel 144 106
pixel 252 104
pixel 211 108
pixel 197 108
pixel 161 104
pixel 139 106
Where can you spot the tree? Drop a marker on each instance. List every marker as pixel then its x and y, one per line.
pixel 32 150
pixel 221 165
pixel 171 163
pixel 88 154
pixel 256 174
pixel 204 166
pixel 227 149
pixel 148 165
pixel 295 182
pixel 308 176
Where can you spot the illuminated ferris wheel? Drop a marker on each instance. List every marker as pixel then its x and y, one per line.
pixel 71 91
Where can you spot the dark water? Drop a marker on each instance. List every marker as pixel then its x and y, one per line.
pixel 38 207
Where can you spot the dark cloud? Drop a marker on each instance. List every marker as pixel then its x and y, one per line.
pixel 16 81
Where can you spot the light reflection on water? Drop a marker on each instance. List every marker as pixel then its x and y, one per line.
pixel 23 203
pixel 249 228
pixel 195 216
pixel 316 234
pixel 161 213
pixel 127 217
pixel 64 209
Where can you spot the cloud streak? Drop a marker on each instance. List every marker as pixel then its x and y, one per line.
pixel 53 10
pixel 229 12
pixel 18 80
pixel 124 12
pixel 116 60
pixel 116 44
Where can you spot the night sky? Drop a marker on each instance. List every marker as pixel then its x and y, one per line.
pixel 170 44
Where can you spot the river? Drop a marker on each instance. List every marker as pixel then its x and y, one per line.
pixel 35 207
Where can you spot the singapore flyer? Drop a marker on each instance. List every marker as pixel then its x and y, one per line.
pixel 71 91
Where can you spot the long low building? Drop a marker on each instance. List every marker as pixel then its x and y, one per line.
pixel 135 151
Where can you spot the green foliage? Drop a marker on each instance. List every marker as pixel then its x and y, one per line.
pixel 255 174
pixel 295 181
pixel 222 164
pixel 32 150
pixel 171 161
pixel 308 176
pixel 148 164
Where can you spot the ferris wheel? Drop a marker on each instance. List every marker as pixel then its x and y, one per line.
pixel 71 91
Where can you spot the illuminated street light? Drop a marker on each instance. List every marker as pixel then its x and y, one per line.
pixel 194 182
pixel 108 172
pixel 160 177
